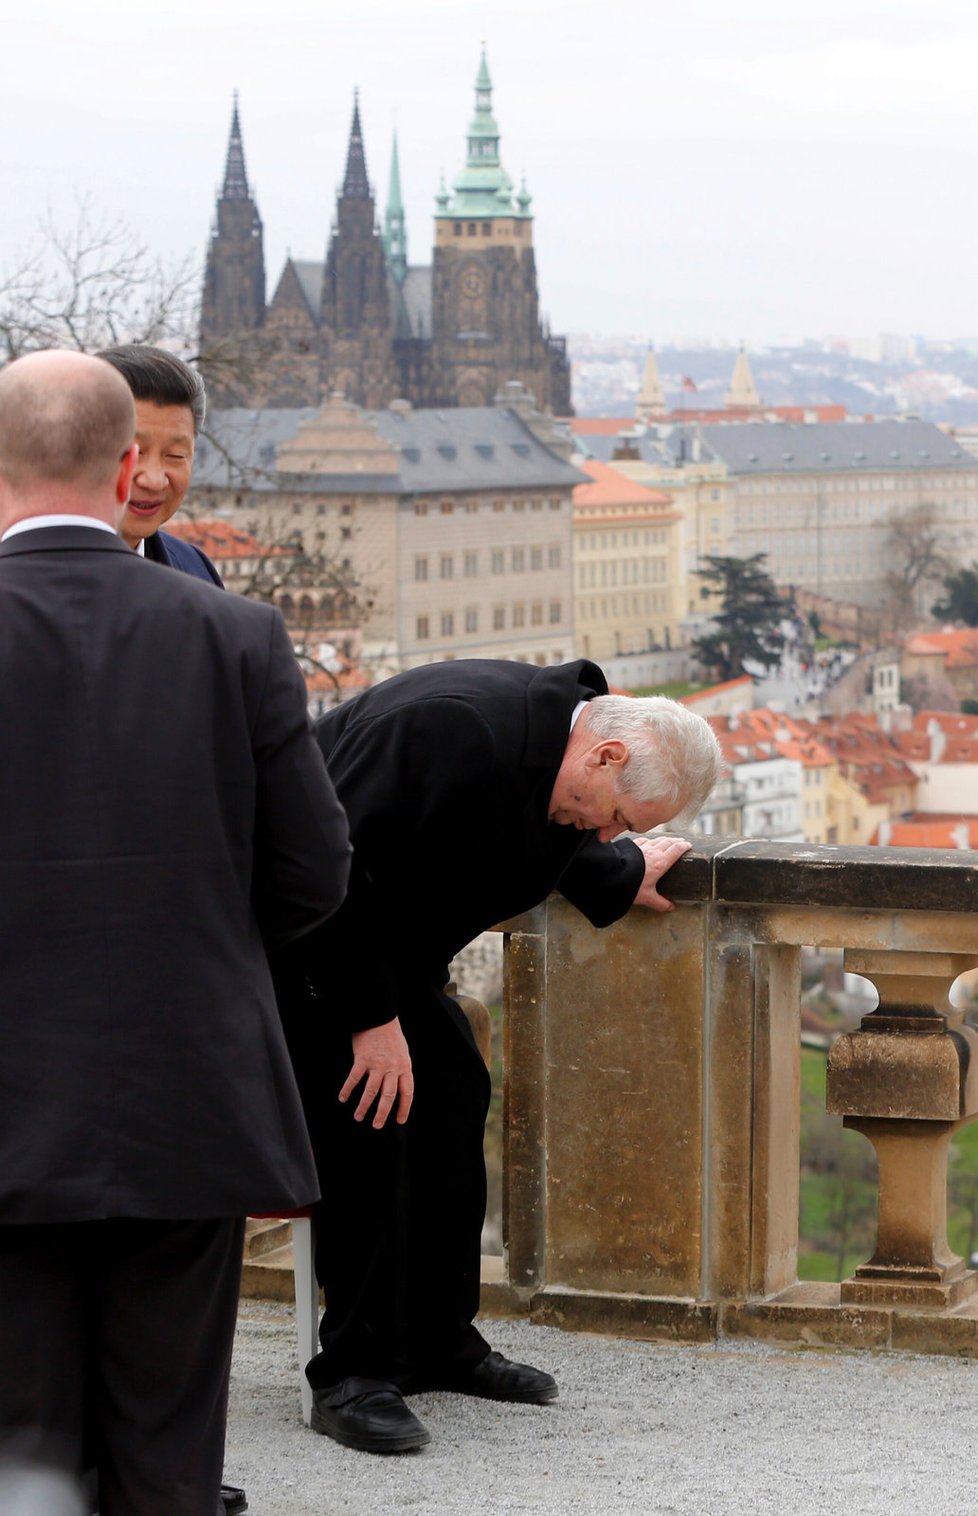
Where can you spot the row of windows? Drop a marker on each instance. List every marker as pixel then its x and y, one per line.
pixel 470 507
pixel 788 516
pixel 633 571
pixel 470 228
pixel 657 535
pixel 519 615
pixel 623 605
pixel 520 558
pixel 847 483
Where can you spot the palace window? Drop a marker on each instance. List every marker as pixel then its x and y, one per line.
pixel 420 568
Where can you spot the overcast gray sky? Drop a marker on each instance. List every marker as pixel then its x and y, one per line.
pixel 699 167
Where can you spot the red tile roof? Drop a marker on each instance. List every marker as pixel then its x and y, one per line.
pixel 715 689
pixel 958 648
pixel 219 539
pixel 609 487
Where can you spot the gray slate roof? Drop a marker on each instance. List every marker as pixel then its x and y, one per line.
pixel 786 447
pixel 482 448
pixel 310 277
pixel 681 442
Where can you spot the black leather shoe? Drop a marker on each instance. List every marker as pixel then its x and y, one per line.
pixel 369 1415
pixel 497 1378
pixel 233 1501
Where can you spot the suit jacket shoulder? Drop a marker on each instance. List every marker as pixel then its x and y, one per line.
pixel 164 547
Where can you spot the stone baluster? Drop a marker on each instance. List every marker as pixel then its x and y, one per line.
pixel 907 1079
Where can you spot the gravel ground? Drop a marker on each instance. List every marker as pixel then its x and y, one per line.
pixel 640 1427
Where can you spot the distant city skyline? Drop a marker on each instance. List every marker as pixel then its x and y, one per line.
pixel 722 170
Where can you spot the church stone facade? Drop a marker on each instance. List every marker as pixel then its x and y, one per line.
pixel 366 323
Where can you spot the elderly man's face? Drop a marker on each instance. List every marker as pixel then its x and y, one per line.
pixel 165 437
pixel 587 796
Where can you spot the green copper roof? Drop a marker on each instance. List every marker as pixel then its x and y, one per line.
pixel 395 231
pixel 483 189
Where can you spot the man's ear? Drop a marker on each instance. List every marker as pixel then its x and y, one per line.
pixel 612 751
pixel 123 480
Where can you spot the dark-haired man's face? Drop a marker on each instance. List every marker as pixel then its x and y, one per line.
pixel 165 438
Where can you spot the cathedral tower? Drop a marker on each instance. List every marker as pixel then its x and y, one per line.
pixel 234 277
pixel 485 320
pixel 355 314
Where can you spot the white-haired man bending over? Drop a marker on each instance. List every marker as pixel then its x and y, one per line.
pixel 473 789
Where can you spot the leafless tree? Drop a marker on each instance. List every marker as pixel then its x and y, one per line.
pixel 917 553
pixel 91 284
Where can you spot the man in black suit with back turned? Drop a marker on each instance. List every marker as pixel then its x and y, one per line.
pixel 473 789
pixel 146 1099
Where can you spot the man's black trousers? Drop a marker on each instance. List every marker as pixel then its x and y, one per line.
pixel 399 1227
pixel 115 1347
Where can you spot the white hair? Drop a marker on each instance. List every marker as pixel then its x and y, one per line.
pixel 673 754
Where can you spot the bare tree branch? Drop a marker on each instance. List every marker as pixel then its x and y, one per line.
pixel 93 284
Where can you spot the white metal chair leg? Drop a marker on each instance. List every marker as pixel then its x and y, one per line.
pixel 306 1303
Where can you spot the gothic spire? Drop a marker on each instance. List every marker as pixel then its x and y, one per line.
pixel 235 178
pixel 355 186
pixel 395 232
pixel 742 394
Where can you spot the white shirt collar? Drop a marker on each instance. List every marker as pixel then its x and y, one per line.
pixel 31 523
pixel 579 707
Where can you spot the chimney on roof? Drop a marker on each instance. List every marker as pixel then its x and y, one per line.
pixel 938 741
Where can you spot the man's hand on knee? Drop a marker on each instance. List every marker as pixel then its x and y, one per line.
pixel 381 1057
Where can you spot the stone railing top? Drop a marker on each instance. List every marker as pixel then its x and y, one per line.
pixel 748 872
pixel 873 878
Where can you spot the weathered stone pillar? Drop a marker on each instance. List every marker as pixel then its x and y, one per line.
pixel 907 1079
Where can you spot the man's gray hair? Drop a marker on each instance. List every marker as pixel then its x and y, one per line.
pixel 673 754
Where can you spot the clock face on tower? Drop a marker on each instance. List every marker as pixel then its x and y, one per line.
pixel 473 281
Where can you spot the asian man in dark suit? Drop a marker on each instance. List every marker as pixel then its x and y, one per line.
pixel 473 789
pixel 171 405
pixel 146 1100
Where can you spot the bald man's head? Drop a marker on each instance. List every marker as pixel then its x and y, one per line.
pixel 65 420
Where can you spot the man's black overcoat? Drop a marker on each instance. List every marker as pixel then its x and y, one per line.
pixel 446 774
pixel 163 810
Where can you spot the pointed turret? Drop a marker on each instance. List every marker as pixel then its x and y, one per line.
pixel 742 394
pixel 234 277
pixel 395 231
pixel 235 177
pixel 355 184
pixel 483 189
pixel 355 316
pixel 651 402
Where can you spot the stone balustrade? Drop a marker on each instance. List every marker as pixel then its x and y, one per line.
pixel 652 1094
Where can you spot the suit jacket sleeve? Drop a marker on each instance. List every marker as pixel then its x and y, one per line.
pixel 302 848
pixel 603 879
